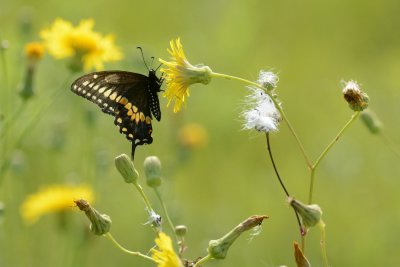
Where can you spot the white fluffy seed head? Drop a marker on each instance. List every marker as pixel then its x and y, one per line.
pixel 261 114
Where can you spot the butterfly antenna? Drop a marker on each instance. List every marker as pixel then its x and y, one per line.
pixel 152 61
pixel 159 66
pixel 141 51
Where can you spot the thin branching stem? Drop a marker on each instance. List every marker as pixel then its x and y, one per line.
pixel 202 260
pixel 171 225
pixel 326 150
pixel 282 184
pixel 110 237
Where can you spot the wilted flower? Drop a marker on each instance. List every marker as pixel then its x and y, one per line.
pixel 357 99
pixel 53 199
pixel 180 74
pixel 310 214
pixel 218 249
pixel 165 255
pixel 262 114
pixel 81 43
pixel 100 223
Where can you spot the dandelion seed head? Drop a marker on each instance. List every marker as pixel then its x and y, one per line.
pixel 261 114
pixel 267 79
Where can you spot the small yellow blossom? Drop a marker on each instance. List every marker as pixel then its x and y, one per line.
pixel 165 255
pixel 90 48
pixel 180 74
pixel 53 199
pixel 34 51
pixel 192 136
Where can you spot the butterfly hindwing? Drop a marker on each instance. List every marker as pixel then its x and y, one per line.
pixel 129 97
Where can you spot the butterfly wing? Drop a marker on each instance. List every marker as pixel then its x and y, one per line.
pixel 126 96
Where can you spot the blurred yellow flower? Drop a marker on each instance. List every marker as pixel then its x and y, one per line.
pixel 53 199
pixel 180 74
pixel 90 48
pixel 165 255
pixel 192 136
pixel 34 51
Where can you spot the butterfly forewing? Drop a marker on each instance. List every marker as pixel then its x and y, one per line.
pixel 130 97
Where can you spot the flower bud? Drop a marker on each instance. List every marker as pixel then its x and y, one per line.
pixel 100 223
pixel 152 170
pixel 372 121
pixel 357 99
pixel 126 168
pixel 181 230
pixel 218 249
pixel 310 214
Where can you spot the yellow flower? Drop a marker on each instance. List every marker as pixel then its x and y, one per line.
pixel 165 255
pixel 180 74
pixel 53 199
pixel 34 51
pixel 192 136
pixel 90 48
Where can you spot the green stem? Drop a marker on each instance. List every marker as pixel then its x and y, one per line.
pixel 143 195
pixel 303 151
pixel 29 127
pixel 202 260
pixel 323 243
pixel 323 154
pixel 110 237
pixel 171 225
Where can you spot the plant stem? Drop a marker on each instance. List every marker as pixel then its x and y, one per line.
pixel 300 144
pixel 143 195
pixel 323 154
pixel 282 185
pixel 29 127
pixel 321 226
pixel 202 260
pixel 171 225
pixel 110 237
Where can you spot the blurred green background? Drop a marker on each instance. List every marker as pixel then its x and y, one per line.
pixel 312 45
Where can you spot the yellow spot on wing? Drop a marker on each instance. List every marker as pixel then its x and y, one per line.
pixel 123 101
pixel 96 87
pixel 130 112
pixel 113 96
pixel 148 120
pixel 142 118
pixel 130 136
pixel 137 118
pixel 107 93
pixel 119 120
pixel 134 108
pixel 85 83
pixel 128 106
pixel 124 129
pixel 91 85
pixel 102 89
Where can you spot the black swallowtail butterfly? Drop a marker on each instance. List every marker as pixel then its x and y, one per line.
pixel 130 97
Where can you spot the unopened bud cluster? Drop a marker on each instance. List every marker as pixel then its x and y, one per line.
pixel 357 99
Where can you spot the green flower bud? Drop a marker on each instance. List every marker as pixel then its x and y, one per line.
pixel 152 170
pixel 372 122
pixel 357 99
pixel 310 214
pixel 100 223
pixel 181 230
pixel 126 168
pixel 218 249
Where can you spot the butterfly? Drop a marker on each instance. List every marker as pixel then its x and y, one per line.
pixel 132 99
